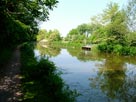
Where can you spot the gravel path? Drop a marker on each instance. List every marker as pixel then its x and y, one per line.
pixel 10 83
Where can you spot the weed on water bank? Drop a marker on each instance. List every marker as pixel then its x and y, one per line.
pixel 117 49
pixel 41 82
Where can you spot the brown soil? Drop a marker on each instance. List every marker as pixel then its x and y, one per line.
pixel 10 84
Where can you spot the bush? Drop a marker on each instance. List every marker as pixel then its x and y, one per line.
pixel 109 48
pixel 126 50
pixel 118 49
pixel 132 51
pixel 103 47
pixel 41 82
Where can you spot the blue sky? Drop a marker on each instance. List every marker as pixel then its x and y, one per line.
pixel 71 13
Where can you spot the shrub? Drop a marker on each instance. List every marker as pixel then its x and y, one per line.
pixel 102 46
pixel 109 48
pixel 105 47
pixel 126 50
pixel 132 51
pixel 118 49
pixel 41 82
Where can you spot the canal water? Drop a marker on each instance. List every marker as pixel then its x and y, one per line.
pixel 97 77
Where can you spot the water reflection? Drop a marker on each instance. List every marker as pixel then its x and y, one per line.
pixel 98 77
pixel 114 81
pixel 110 77
pixel 83 55
pixel 46 50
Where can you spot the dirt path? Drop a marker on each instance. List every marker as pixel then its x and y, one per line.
pixel 10 79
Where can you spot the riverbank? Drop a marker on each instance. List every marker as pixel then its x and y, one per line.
pixel 41 80
pixel 26 79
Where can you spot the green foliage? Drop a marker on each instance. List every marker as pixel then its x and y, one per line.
pixel 114 36
pixel 49 36
pixel 84 29
pixel 5 55
pixel 113 30
pixel 131 39
pixel 15 32
pixel 132 51
pixel 73 32
pixel 54 36
pixel 118 49
pixel 19 19
pixel 105 47
pixel 126 50
pixel 41 81
pixel 41 34
pixel 98 36
pixel 79 34
pixel 110 12
pixel 72 35
pixel 115 23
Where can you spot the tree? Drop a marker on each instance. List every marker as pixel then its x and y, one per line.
pixel 72 35
pixel 114 23
pixel 96 29
pixel 110 35
pixel 41 34
pixel 131 22
pixel 54 35
pixel 76 36
pixel 19 19
pixel 80 33
pixel 131 39
pixel 84 29
pixel 131 15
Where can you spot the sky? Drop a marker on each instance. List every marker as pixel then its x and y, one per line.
pixel 71 13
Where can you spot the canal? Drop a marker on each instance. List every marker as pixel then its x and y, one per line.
pixel 97 77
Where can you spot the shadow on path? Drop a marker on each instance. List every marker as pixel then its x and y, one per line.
pixel 10 83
